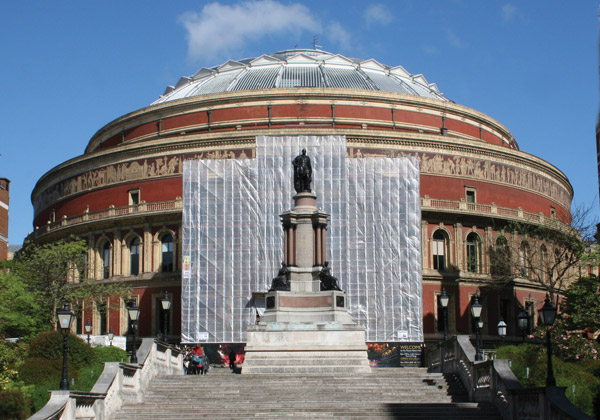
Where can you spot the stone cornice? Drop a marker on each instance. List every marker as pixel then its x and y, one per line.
pixel 290 96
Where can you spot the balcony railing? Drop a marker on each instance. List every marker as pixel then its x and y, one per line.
pixel 112 212
pixel 492 210
pixel 427 204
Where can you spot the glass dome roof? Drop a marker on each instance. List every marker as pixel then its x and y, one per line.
pixel 301 68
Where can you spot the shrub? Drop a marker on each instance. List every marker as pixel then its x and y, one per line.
pixel 89 374
pixel 48 345
pixel 39 395
pixel 110 354
pixel 36 371
pixel 13 405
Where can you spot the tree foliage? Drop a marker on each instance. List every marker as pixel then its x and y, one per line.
pixel 548 255
pixel 20 314
pixel 57 271
pixel 582 304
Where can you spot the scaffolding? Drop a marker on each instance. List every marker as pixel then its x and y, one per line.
pixel 233 240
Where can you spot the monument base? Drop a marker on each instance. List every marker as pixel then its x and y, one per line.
pixel 306 348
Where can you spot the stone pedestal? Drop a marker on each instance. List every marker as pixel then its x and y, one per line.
pixel 305 329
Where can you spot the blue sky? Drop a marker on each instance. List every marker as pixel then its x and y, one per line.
pixel 69 68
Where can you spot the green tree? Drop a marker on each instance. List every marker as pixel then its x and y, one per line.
pixel 56 272
pixel 549 255
pixel 20 314
pixel 582 304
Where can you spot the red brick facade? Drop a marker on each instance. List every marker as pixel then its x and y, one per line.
pixel 474 179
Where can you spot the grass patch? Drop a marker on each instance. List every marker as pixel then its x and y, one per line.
pixel 580 378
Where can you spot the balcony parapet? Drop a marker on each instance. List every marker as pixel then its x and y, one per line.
pixel 175 206
pixel 491 210
pixel 112 212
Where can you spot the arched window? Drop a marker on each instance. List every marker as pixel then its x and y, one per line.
pixel 500 258
pixel 167 252
pixel 439 250
pixel 106 260
pixel 473 253
pixel 134 257
pixel 501 243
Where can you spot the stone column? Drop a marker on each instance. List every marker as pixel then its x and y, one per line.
pixel 147 249
pixel 459 245
pixel 117 269
pixel 425 244
pixel 318 246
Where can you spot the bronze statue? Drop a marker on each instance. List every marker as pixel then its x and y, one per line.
pixel 302 172
pixel 281 282
pixel 328 282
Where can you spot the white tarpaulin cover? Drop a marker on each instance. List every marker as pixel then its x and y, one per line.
pixel 233 240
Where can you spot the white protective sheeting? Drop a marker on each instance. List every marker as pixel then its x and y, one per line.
pixel 233 240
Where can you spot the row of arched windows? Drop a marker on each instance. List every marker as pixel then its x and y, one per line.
pixel 500 256
pixel 441 251
pixel 132 265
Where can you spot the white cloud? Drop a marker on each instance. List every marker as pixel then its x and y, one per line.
pixel 377 14
pixel 218 30
pixel 454 40
pixel 339 35
pixel 508 11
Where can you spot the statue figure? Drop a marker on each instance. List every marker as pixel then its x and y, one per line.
pixel 281 282
pixel 302 172
pixel 328 282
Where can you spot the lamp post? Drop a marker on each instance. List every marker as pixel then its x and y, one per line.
pixel 444 299
pixel 166 305
pixel 523 322
pixel 502 328
pixel 134 314
pixel 111 335
pixel 479 355
pixel 65 319
pixel 547 316
pixel 88 329
pixel 476 308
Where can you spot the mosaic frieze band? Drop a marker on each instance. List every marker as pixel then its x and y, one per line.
pixel 478 169
pixel 430 164
pixel 129 171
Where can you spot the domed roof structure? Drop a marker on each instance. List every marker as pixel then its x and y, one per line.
pixel 301 68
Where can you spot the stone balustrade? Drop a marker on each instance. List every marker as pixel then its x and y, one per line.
pixel 176 206
pixel 112 212
pixel 118 382
pixel 493 381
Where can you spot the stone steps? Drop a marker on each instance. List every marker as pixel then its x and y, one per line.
pixel 389 393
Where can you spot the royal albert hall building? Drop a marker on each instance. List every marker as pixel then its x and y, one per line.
pixel 124 194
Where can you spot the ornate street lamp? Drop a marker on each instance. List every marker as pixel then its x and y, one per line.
pixel 134 314
pixel 523 322
pixel 88 329
pixel 547 316
pixel 444 299
pixel 476 308
pixel 65 319
pixel 166 305
pixel 111 335
pixel 502 328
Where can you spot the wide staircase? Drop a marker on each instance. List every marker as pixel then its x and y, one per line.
pixel 386 393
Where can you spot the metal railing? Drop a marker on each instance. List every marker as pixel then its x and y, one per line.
pixel 493 381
